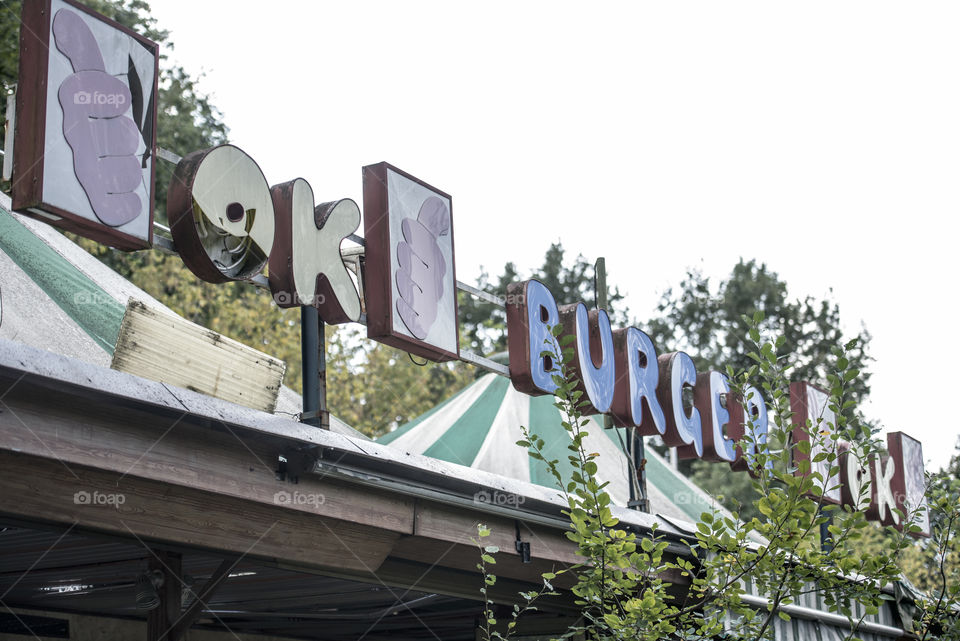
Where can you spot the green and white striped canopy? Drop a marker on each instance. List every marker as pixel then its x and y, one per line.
pixel 479 427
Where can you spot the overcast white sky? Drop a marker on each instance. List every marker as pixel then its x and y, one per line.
pixel 822 138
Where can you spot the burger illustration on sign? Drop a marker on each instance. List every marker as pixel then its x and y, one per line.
pixel 410 281
pixel 422 266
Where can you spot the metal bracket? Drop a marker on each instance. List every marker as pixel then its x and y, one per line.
pixel 523 547
pixel 323 415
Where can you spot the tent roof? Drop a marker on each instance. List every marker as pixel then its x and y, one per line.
pixel 479 427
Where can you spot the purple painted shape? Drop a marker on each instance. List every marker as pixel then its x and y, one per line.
pixel 102 138
pixel 422 266
pixel 76 42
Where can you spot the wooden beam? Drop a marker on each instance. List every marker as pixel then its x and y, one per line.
pixel 176 450
pixel 453 525
pixel 153 512
pixel 196 608
pixel 466 557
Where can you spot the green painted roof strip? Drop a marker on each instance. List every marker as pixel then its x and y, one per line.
pixel 462 441
pixel 545 422
pixel 89 305
pixel 403 429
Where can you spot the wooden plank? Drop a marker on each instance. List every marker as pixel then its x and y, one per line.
pixel 174 449
pixel 445 523
pixel 169 349
pixel 151 513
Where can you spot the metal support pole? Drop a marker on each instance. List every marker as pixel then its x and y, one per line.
pixel 642 502
pixel 826 539
pixel 635 441
pixel 314 360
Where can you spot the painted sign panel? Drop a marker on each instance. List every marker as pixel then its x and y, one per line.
pixel 85 133
pixel 908 484
pixel 411 293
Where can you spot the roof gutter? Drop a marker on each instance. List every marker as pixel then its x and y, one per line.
pixel 399 486
pixel 810 614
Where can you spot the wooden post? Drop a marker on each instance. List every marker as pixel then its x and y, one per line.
pixel 162 618
pixel 196 608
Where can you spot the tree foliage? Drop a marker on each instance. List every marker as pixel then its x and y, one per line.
pixel 375 387
pixel 710 322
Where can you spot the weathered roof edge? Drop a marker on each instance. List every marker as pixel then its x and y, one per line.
pixel 133 391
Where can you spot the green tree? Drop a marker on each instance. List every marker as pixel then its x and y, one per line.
pixel 709 322
pixel 375 387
